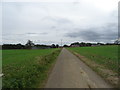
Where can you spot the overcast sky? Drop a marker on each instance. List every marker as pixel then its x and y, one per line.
pixel 49 22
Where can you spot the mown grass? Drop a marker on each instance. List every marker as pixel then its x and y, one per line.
pixel 102 55
pixel 27 68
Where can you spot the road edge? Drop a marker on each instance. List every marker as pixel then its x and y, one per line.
pixel 48 72
pixel 99 70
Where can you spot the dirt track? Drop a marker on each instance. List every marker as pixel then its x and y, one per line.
pixel 70 72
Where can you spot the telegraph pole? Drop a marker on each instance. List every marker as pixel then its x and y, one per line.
pixel 61 42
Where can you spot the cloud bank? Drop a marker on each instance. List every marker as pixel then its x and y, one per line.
pixel 49 22
pixel 107 33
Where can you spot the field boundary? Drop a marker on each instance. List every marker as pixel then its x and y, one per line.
pixel 107 74
pixel 32 73
pixel 49 71
pixel 54 55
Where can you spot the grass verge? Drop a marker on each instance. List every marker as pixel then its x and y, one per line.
pixel 27 68
pixel 102 59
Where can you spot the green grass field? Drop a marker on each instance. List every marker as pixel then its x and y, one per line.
pixel 102 55
pixel 27 68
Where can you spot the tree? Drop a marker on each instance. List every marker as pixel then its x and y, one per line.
pixel 13 46
pixel 65 46
pixel 117 42
pixel 75 44
pixel 29 44
pixel 53 46
pixel 57 46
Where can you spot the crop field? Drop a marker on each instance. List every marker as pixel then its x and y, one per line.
pixel 102 55
pixel 27 68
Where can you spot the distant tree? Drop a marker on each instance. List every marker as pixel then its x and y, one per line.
pixel 82 44
pixel 100 44
pixel 65 46
pixel 57 46
pixel 117 42
pixel 53 46
pixel 75 44
pixel 38 46
pixel 88 44
pixel 109 44
pixel 19 46
pixel 29 44
pixel 13 46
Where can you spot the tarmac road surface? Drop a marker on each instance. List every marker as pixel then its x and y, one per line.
pixel 70 72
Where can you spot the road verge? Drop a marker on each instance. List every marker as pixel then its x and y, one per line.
pixel 108 75
pixel 29 69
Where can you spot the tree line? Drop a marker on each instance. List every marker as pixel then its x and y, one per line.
pixel 31 45
pixel 83 44
pixel 28 45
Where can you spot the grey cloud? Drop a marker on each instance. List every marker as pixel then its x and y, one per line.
pixel 19 37
pixel 43 33
pixel 50 21
pixel 61 20
pixel 29 33
pixel 99 34
pixel 85 35
pixel 56 20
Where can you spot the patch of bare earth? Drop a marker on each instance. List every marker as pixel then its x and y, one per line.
pixel 108 75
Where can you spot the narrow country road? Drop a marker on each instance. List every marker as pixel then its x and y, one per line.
pixel 70 72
